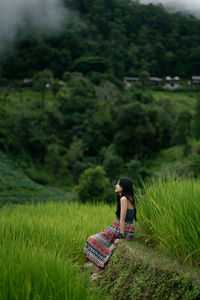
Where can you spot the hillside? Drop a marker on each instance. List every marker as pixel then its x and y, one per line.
pixel 138 272
pixel 150 38
pixel 49 238
pixel 173 160
pixel 17 188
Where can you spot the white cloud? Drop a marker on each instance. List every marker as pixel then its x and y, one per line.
pixel 185 6
pixel 16 14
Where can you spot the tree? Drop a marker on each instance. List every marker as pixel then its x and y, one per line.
pixel 113 164
pixel 183 131
pixel 40 81
pixel 138 131
pixel 86 64
pixel 93 184
pixel 56 163
pixel 137 171
pixel 106 90
pixel 76 107
pixel 144 79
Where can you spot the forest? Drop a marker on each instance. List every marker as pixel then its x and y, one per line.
pixel 70 128
pixel 76 117
pixel 109 40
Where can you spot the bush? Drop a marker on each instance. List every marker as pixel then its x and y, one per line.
pixel 137 171
pixel 113 165
pixel 38 175
pixel 93 185
pixel 194 166
pixel 169 215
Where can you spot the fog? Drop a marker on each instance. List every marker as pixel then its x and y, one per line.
pixel 15 15
pixel 184 6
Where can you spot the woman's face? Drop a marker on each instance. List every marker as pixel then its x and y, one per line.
pixel 118 188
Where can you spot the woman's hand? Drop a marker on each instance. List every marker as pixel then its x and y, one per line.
pixel 116 241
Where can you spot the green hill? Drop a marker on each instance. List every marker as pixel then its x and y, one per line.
pixel 150 38
pixel 139 272
pixel 17 188
pixel 173 160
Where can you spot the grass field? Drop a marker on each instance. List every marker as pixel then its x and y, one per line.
pixel 179 99
pixel 41 249
pixel 172 160
pixel 169 214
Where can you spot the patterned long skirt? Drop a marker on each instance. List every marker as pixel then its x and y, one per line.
pixel 100 246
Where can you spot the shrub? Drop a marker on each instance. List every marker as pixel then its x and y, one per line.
pixel 93 184
pixel 137 171
pixel 113 164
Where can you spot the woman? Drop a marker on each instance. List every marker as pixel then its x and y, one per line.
pixel 100 246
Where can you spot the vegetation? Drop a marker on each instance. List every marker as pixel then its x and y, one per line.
pixel 42 252
pixel 151 39
pixel 57 138
pixel 17 188
pixel 169 215
pixel 41 249
pixel 76 113
pixel 139 272
pixel 94 185
pixel 71 129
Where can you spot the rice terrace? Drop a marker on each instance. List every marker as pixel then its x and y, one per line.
pixel 42 244
pixel 99 150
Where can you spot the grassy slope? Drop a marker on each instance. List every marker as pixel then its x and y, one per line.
pixel 49 239
pixel 46 239
pixel 16 187
pixel 41 249
pixel 180 100
pixel 168 159
pixel 170 220
pixel 139 272
pixel 27 94
pixel 172 159
pixel 142 271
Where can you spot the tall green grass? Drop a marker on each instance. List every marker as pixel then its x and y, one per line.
pixel 41 249
pixel 169 213
pixel 41 246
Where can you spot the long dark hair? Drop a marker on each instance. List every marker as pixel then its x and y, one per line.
pixel 127 185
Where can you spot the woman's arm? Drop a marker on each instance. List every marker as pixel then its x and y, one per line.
pixel 123 212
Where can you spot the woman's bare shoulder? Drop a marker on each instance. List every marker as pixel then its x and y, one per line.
pixel 123 199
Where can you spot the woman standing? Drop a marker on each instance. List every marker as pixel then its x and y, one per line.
pixel 100 246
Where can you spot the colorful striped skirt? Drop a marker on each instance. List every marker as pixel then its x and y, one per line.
pixel 100 246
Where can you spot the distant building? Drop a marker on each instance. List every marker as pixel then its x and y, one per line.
pixel 128 81
pixel 47 85
pixel 156 80
pixel 27 82
pixel 172 82
pixel 194 81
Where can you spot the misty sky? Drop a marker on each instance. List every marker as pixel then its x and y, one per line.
pixel 50 14
pixel 188 6
pixel 14 15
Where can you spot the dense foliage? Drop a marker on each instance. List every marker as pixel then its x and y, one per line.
pixel 88 118
pixel 164 208
pixel 57 137
pixel 110 39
